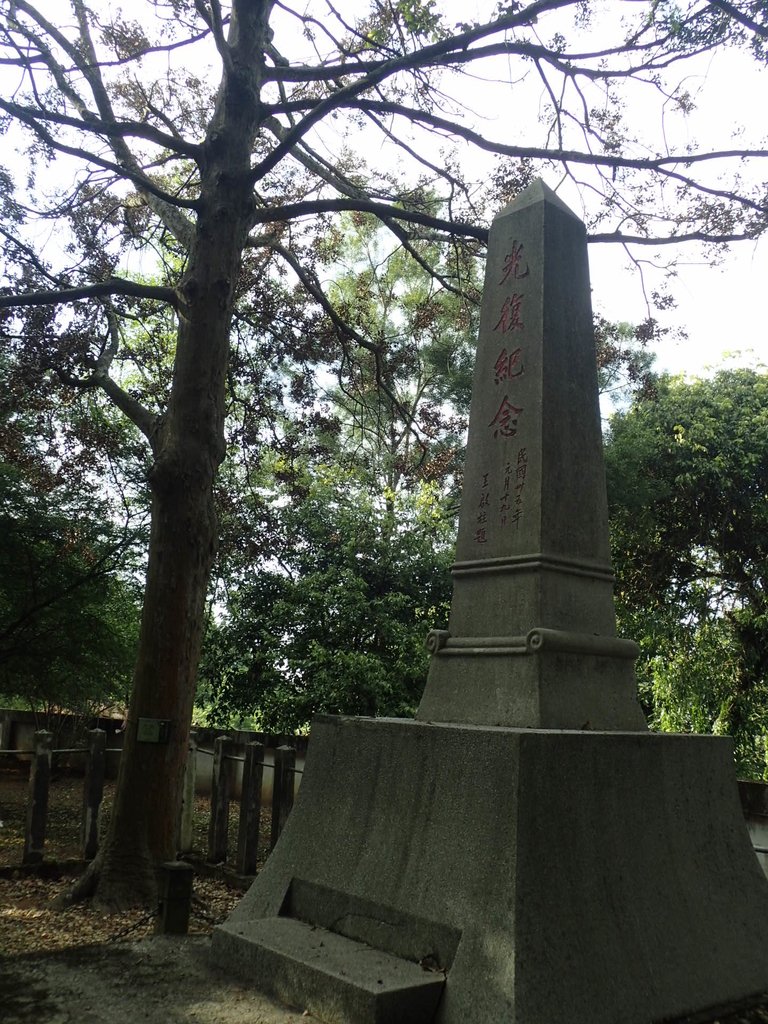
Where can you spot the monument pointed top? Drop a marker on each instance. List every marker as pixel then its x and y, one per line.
pixel 536 192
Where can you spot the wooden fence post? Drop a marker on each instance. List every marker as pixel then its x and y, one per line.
pixel 220 790
pixel 93 791
pixel 6 724
pixel 37 799
pixel 282 790
pixel 185 839
pixel 250 809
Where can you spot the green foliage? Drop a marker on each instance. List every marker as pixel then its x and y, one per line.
pixel 624 361
pixel 402 400
pixel 391 23
pixel 336 620
pixel 68 602
pixel 688 490
pixel 335 542
pixel 692 27
pixel 68 622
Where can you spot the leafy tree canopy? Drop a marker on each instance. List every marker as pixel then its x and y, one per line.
pixel 688 490
pixel 336 620
pixel 68 620
pixel 69 530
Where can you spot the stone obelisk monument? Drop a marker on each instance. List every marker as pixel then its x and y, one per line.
pixel 532 637
pixel 525 852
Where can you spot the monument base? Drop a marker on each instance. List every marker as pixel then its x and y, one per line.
pixel 548 679
pixel 546 876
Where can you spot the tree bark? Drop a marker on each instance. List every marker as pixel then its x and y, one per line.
pixel 189 448
pixel 143 824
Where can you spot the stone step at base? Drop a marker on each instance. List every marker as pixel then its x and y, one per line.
pixel 339 980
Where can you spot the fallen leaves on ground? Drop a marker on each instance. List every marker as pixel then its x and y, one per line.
pixel 28 921
pixel 30 924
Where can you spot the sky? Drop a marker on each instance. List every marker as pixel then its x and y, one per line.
pixel 719 306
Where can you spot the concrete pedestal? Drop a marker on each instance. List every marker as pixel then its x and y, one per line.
pixel 549 679
pixel 551 876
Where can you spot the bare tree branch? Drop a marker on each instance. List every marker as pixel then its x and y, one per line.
pixel 114 286
pixel 423 57
pixel 733 12
pixel 708 237
pixel 94 125
pixel 312 207
pixel 143 183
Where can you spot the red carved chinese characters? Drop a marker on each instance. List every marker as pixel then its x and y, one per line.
pixel 510 315
pixel 508 365
pixel 513 264
pixel 505 420
pixel 499 505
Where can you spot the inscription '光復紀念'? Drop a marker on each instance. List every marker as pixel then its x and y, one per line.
pixel 505 421
pixel 510 318
pixel 506 496
pixel 509 363
pixel 513 264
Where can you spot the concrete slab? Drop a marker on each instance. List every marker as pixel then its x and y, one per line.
pixel 343 981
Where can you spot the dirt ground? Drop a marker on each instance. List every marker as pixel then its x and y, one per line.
pixel 80 966
pixel 158 980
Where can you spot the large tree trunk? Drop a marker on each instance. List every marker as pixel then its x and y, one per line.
pixel 182 547
pixel 188 449
pixel 181 551
pixel 145 812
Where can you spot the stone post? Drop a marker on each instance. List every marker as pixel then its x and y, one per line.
pixel 37 801
pixel 250 809
pixel 93 791
pixel 220 791
pixel 185 838
pixel 282 790
pixel 5 730
pixel 175 898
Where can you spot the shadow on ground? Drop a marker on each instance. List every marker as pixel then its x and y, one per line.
pixel 160 980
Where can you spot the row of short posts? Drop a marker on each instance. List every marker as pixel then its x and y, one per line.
pixel 283 784
pixel 224 760
pixel 39 785
pixel 175 896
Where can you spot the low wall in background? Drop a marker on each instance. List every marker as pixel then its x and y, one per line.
pixel 754 803
pixel 239 737
pixel 18 728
